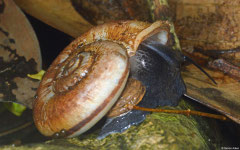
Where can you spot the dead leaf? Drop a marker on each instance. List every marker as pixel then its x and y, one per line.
pixel 223 97
pixel 19 55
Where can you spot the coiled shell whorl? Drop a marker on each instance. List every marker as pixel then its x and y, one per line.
pixel 88 76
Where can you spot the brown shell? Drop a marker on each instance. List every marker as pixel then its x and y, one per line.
pixel 84 94
pixel 131 95
pixel 127 33
pixel 72 106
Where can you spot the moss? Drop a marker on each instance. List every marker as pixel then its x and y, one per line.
pixel 154 5
pixel 158 131
pixel 163 2
pixel 176 40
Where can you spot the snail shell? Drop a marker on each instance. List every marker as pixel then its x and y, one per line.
pixel 88 76
pixel 131 95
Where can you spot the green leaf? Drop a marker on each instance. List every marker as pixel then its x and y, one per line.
pixel 37 76
pixel 16 109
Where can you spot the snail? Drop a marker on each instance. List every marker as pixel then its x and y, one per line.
pixel 89 75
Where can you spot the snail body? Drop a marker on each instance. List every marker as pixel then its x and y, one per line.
pixel 88 76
